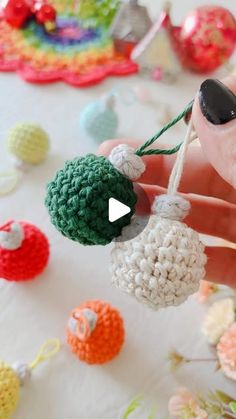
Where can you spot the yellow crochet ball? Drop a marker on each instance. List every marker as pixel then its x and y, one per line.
pixel 28 142
pixel 9 391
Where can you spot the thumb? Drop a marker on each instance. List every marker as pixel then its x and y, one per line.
pixel 214 119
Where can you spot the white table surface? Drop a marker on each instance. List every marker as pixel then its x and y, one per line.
pixel 32 312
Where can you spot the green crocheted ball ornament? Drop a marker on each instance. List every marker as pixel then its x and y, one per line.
pixel 28 142
pixel 78 198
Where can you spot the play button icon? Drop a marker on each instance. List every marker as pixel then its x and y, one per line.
pixel 117 210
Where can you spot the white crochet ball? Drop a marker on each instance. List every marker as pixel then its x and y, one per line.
pixel 163 265
pixel 124 159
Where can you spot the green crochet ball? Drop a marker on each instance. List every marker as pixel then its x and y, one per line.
pixel 77 200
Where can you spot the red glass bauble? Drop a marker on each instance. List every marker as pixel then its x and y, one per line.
pixel 206 39
pixel 46 13
pixel 16 13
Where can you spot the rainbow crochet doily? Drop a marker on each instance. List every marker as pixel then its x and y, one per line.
pixel 74 53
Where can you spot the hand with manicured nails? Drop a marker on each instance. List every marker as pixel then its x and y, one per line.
pixel 209 178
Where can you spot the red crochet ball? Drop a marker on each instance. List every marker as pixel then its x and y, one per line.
pixel 29 259
pixel 17 12
pixel 95 332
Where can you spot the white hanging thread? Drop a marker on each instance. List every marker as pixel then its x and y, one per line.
pixel 177 170
pixel 171 205
pixel 163 265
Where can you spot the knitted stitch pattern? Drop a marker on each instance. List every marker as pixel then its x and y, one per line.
pixel 107 338
pixel 27 261
pixel 78 197
pixel 9 391
pixel 76 53
pixel 162 266
pixel 99 122
pixel 28 142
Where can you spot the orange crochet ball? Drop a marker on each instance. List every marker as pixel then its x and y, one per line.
pixel 95 332
pixel 24 251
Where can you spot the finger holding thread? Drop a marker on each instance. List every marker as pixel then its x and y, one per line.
pixel 199 177
pixel 210 216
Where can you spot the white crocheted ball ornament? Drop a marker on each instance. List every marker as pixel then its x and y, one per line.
pixel 164 264
pixel 124 159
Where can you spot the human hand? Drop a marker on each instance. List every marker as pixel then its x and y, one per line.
pixel 209 177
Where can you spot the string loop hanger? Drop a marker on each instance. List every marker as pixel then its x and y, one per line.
pixel 143 150
pixel 129 162
pixel 171 205
pixel 14 376
pixel 49 349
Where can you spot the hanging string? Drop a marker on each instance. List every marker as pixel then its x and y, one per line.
pixel 153 151
pixel 142 151
pixel 177 170
pixel 50 348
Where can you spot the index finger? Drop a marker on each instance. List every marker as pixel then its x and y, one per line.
pixel 199 177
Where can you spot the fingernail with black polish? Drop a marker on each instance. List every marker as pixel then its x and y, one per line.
pixel 217 102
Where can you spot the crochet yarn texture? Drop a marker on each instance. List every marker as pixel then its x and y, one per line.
pixel 164 264
pixel 9 391
pixel 124 159
pixel 28 258
pixel 95 332
pixel 28 142
pixel 12 377
pixel 77 200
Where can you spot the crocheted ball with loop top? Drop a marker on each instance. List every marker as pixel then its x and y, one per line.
pixel 99 119
pixel 17 375
pixel 11 379
pixel 28 143
pixel 95 332
pixel 9 391
pixel 164 264
pixel 24 251
pixel 78 200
